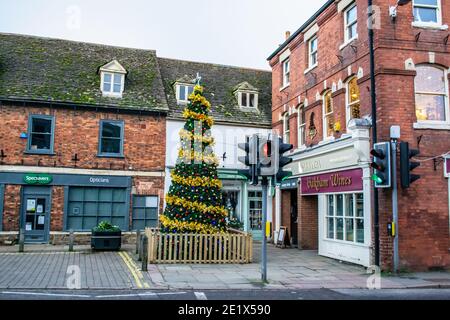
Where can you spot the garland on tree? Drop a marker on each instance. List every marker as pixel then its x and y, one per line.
pixel 194 200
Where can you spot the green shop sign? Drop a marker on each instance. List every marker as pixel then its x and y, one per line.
pixel 37 179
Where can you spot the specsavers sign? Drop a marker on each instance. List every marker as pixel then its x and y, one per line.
pixel 34 178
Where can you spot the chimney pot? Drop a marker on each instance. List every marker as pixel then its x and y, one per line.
pixel 288 34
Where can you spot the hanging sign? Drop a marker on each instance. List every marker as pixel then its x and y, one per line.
pixel 35 178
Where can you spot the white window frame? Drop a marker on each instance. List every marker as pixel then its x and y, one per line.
pixel 348 25
pixel 348 104
pixel 445 94
pixel 301 127
pixel 311 53
pixel 438 9
pixel 111 92
pixel 248 93
pixel 184 99
pixel 344 217
pixel 286 128
pixel 326 115
pixel 286 72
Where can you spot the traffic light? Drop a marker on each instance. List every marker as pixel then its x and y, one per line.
pixel 381 165
pixel 250 159
pixel 266 167
pixel 282 161
pixel 406 165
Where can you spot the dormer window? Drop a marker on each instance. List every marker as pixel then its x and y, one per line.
pixel 247 95
pixel 248 99
pixel 183 92
pixel 112 79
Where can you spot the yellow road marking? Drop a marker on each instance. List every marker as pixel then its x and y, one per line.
pixel 136 270
pixel 133 272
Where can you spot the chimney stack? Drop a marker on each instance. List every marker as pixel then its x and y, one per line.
pixel 288 34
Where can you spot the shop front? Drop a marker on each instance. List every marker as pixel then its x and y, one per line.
pixel 334 198
pixel 41 203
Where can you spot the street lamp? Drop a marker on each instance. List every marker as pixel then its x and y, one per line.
pixel 393 9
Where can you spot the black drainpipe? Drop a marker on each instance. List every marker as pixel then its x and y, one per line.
pixel 374 130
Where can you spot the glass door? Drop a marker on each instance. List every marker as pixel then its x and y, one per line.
pixel 255 213
pixel 36 212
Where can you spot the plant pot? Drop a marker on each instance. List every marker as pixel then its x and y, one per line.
pixel 106 240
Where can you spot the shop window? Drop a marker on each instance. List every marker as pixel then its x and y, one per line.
pixel 286 72
pixel 351 23
pixel 301 126
pixel 183 92
pixel 111 138
pixel 41 130
pixel 328 115
pixel 353 100
pixel 145 212
pixel 255 210
pixel 431 86
pixel 427 12
pixel 345 217
pixel 87 207
pixel 286 128
pixel 230 200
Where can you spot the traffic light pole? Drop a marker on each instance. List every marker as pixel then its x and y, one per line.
pixel 264 185
pixel 395 202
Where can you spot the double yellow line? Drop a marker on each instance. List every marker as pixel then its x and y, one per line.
pixel 135 272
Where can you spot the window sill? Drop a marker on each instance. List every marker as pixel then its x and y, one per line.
pixel 327 140
pixel 40 153
pixel 348 42
pixel 110 156
pixel 433 26
pixel 284 87
pixel 112 95
pixel 432 126
pixel 311 68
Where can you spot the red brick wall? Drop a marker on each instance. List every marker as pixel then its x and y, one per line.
pixel 423 209
pixel 11 208
pixel 77 131
pixel 57 210
pixel 286 210
pixel 308 215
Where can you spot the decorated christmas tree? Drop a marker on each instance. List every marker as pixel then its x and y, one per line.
pixel 194 200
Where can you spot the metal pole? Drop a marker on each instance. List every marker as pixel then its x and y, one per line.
pixel 374 130
pixel 138 236
pixel 263 227
pixel 395 202
pixel 21 240
pixel 144 253
pixel 71 239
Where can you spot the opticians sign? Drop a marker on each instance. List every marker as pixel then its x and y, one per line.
pixel 334 182
pixel 41 179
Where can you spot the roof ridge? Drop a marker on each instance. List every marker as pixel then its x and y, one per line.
pixel 215 64
pixel 74 41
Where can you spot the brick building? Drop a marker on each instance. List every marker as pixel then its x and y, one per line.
pixel 82 137
pixel 321 103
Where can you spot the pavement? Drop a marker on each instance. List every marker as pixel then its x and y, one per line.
pixel 54 268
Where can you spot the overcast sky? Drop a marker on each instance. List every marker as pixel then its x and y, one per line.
pixel 233 32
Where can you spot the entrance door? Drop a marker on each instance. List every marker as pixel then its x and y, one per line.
pixel 255 214
pixel 294 218
pixel 36 217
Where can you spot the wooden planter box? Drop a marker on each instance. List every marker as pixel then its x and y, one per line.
pixel 108 241
pixel 236 247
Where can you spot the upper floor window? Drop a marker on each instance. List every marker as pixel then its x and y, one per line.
pixel 431 86
pixel 41 131
pixel 312 52
pixel 328 115
pixel 286 72
pixel 427 12
pixel 112 79
pixel 111 138
pixel 353 100
pixel 286 129
pixel 351 23
pixel 183 92
pixel 248 99
pixel 301 126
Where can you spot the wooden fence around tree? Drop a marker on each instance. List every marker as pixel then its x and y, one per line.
pixel 235 247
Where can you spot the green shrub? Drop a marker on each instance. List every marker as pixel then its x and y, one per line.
pixel 106 226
